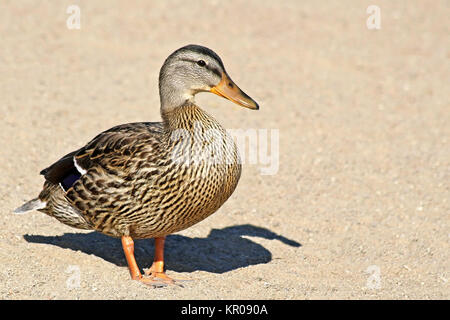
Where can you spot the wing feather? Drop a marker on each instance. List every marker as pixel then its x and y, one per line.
pixel 111 149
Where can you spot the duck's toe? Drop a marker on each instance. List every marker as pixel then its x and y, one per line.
pixel 164 278
pixel 154 283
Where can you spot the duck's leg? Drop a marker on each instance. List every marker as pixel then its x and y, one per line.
pixel 157 268
pixel 128 249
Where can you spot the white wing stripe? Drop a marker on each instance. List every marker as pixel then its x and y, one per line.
pixel 79 168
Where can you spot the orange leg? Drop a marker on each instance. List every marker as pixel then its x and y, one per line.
pixel 157 268
pixel 128 249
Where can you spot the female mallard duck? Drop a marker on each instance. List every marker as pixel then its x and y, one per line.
pixel 151 179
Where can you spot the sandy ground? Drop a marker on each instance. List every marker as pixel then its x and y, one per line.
pixel 359 207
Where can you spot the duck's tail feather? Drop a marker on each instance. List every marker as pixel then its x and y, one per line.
pixel 34 204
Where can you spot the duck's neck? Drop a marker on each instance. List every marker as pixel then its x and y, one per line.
pixel 187 117
pixel 173 93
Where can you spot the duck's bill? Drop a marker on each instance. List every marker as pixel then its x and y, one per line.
pixel 229 90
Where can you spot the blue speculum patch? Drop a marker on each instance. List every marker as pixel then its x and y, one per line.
pixel 70 179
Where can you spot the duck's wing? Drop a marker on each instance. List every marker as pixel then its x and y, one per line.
pixel 107 178
pixel 110 151
pixel 60 169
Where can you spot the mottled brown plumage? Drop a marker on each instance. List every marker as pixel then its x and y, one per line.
pixel 148 179
pixel 137 183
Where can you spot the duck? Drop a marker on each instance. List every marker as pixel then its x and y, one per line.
pixel 151 179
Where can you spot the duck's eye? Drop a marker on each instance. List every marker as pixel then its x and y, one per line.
pixel 201 63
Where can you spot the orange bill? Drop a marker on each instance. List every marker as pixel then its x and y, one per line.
pixel 229 90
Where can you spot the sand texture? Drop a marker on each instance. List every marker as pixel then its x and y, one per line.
pixel 359 205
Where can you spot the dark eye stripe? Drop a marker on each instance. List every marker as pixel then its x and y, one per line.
pixel 214 70
pixel 210 68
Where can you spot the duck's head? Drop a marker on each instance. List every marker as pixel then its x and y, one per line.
pixel 193 69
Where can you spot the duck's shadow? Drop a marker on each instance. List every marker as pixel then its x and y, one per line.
pixel 223 250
